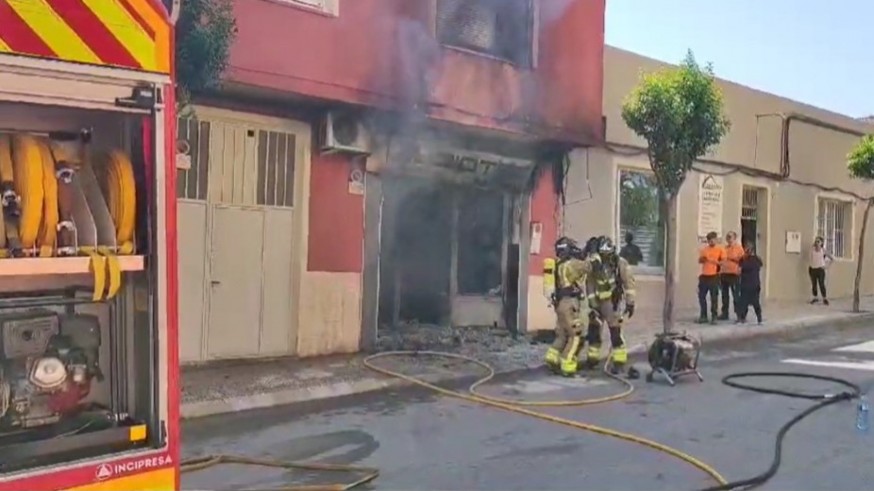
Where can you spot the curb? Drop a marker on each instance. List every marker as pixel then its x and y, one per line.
pixel 709 335
pixel 796 326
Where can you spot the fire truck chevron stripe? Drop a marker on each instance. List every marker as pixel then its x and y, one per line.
pixel 126 29
pixel 161 29
pixel 127 33
pixel 139 18
pixel 57 34
pixel 18 35
pixel 95 33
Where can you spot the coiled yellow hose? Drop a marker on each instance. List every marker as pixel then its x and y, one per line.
pixel 29 168
pixel 516 406
pixel 27 162
pixel 116 175
pixel 48 231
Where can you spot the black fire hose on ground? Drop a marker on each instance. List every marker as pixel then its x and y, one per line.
pixel 853 392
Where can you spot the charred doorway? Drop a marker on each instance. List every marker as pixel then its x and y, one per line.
pixel 416 252
pixel 480 261
pixel 446 254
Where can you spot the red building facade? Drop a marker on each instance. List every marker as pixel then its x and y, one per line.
pixel 463 112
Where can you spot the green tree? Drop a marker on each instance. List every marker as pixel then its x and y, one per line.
pixel 205 31
pixel 679 112
pixel 860 163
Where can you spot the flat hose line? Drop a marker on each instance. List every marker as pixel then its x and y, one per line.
pixel 825 400
pixel 521 407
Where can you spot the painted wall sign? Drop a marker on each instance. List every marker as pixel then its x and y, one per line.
pixel 710 197
pixel 536 237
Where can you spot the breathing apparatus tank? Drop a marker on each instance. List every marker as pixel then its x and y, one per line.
pixel 549 278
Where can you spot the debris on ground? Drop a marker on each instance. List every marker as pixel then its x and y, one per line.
pixel 493 345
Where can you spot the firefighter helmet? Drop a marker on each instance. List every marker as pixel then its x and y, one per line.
pixel 565 247
pixel 606 246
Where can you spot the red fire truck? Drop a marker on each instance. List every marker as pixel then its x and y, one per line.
pixel 89 391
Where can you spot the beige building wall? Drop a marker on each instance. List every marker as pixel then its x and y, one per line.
pixel 816 156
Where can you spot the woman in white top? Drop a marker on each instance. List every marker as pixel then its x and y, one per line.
pixel 819 259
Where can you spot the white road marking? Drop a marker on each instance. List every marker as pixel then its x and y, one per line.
pixel 866 347
pixel 847 365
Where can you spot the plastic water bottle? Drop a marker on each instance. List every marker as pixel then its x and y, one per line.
pixel 862 415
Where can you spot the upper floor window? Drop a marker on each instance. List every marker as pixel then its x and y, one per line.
pixel 327 6
pixel 499 28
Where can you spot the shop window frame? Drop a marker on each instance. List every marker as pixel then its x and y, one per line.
pixel 618 233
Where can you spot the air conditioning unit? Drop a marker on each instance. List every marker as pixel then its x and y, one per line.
pixel 344 133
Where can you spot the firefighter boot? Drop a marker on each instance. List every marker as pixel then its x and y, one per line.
pixel 619 356
pixel 569 366
pixel 593 356
pixel 619 360
pixel 552 359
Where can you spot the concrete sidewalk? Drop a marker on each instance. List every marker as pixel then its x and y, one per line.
pixel 237 386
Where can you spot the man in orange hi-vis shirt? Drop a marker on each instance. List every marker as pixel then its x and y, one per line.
pixel 709 257
pixel 729 274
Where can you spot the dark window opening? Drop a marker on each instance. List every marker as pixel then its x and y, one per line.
pixel 500 28
pixel 480 243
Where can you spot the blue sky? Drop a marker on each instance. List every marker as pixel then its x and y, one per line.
pixel 815 51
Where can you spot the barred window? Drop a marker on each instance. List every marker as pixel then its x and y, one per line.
pixel 833 221
pixel 499 28
pixel 193 135
pixel 275 169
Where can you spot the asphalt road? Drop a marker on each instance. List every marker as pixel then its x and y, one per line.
pixel 428 442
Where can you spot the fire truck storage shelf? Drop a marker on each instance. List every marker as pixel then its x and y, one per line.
pixel 61 265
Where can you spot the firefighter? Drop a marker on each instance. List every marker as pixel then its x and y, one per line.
pixel 610 282
pixel 570 275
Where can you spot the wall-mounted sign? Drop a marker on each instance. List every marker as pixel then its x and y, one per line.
pixel 710 195
pixel 536 237
pixel 793 242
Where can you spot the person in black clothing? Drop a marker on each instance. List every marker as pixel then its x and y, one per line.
pixel 750 285
pixel 630 252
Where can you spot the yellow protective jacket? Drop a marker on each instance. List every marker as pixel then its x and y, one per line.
pixel 607 279
pixel 570 277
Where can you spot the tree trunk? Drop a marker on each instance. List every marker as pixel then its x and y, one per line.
pixel 860 258
pixel 670 212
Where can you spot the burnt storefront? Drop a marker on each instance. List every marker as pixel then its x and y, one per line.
pixel 453 217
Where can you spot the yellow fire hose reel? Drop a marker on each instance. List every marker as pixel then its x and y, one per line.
pixel 47 185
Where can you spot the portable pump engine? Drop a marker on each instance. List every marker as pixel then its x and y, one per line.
pixel 47 363
pixel 674 355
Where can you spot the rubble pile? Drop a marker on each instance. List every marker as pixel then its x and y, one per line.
pixel 496 346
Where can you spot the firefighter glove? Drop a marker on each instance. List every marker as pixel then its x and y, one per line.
pixel 629 310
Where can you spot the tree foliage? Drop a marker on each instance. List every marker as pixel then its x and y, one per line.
pixel 679 112
pixel 860 163
pixel 204 34
pixel 860 160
